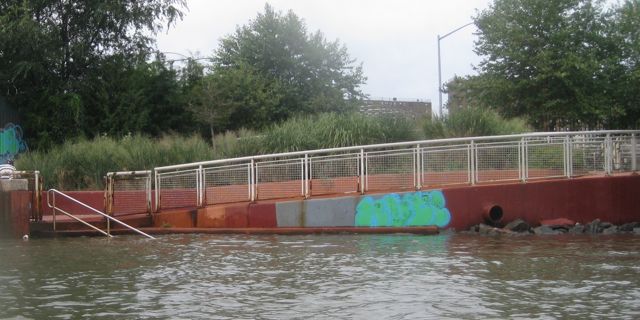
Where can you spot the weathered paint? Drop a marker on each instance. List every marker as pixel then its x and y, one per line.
pixel 236 216
pixel 176 219
pixel 262 215
pixel 420 208
pixel 15 210
pixel 613 199
pixel 211 217
pixel 331 212
pixel 289 213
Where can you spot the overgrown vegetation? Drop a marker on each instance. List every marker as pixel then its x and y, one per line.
pixel 473 122
pixel 81 164
pixel 561 63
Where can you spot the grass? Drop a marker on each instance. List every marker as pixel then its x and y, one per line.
pixel 81 164
pixel 473 122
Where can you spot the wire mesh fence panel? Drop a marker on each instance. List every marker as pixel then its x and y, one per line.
pixel 178 189
pixel 227 183
pixel 279 179
pixel 387 170
pixel 334 174
pixel 623 153
pixel 442 165
pixel 588 155
pixel 130 195
pixel 497 161
pixel 545 157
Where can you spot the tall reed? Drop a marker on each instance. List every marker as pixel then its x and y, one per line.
pixel 470 122
pixel 81 164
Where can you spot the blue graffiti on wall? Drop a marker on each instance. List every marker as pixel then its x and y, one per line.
pixel 422 208
pixel 11 142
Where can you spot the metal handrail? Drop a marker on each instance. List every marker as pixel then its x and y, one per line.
pixel 51 196
pixel 182 176
pixel 388 145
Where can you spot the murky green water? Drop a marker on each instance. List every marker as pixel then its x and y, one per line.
pixel 321 277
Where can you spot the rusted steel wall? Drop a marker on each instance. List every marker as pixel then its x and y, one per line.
pixel 612 199
pixel 15 210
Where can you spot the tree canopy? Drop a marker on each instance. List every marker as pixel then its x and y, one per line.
pixel 272 68
pixel 560 63
pixel 74 67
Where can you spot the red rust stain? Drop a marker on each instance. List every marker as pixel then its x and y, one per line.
pixel 236 216
pixel 211 217
pixel 262 215
pixel 174 218
pixel 557 222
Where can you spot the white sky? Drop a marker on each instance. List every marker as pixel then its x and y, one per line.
pixel 396 40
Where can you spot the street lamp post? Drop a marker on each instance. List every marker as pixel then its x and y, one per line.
pixel 439 65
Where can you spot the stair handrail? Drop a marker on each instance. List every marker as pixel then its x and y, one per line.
pixel 51 193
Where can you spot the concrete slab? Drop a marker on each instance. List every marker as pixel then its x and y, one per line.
pixel 289 214
pixel 8 185
pixel 333 212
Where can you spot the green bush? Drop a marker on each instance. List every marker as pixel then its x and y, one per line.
pixel 473 122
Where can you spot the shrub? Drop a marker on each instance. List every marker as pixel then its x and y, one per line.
pixel 472 122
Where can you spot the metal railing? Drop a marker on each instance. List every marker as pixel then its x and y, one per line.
pixel 51 202
pixel 128 192
pixel 396 166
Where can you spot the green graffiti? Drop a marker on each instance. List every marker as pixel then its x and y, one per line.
pixel 423 208
pixel 11 142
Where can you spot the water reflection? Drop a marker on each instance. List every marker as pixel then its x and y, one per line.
pixel 322 277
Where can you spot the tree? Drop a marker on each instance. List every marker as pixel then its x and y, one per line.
pixel 554 62
pixel 281 70
pixel 54 54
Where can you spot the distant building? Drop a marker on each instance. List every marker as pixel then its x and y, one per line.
pixel 412 109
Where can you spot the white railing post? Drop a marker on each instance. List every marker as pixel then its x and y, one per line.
pixel 522 160
pixel 53 209
pixel 249 188
pixel 634 152
pixel 305 176
pixel 157 182
pixel 199 188
pixel 474 165
pixel 148 193
pixel 254 171
pixel 364 181
pixel 608 155
pixel 417 173
pixel 569 157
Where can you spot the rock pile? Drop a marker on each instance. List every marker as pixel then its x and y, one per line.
pixel 557 226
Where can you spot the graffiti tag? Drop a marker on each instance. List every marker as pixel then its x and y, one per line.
pixel 11 142
pixel 422 208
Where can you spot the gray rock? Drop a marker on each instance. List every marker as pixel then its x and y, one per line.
pixel 593 227
pixel 605 225
pixel 610 230
pixel 518 225
pixel 492 231
pixel 545 230
pixel 636 230
pixel 628 227
pixel 577 229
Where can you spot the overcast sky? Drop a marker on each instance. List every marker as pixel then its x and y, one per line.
pixel 396 40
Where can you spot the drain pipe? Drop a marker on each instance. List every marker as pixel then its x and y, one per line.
pixel 492 214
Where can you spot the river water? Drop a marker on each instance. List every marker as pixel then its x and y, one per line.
pixel 453 276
